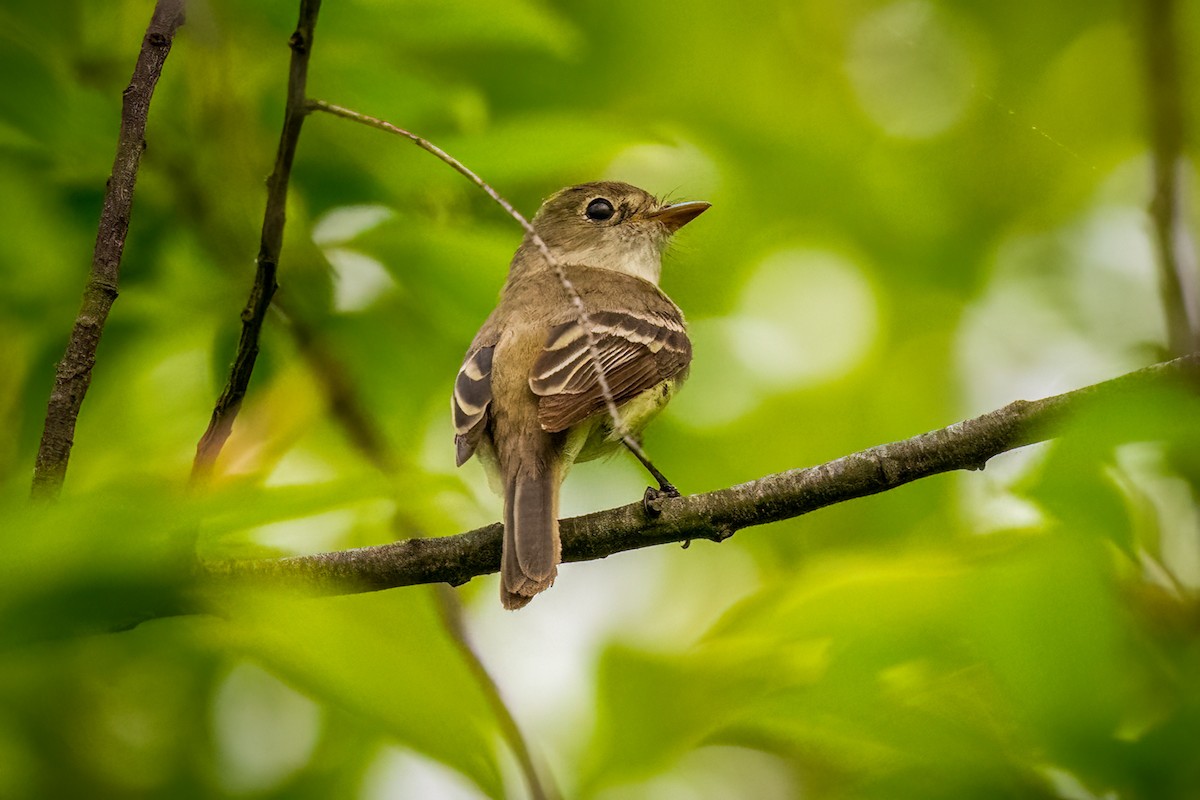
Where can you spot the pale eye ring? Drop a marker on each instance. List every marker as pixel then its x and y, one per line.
pixel 599 210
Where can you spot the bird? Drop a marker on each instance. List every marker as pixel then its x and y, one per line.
pixel 528 400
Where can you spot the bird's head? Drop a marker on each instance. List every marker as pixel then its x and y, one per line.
pixel 612 225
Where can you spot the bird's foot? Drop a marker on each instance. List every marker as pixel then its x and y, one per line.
pixel 653 498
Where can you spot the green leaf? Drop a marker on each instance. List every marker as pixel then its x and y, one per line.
pixel 441 24
pixel 91 563
pixel 384 657
pixel 889 675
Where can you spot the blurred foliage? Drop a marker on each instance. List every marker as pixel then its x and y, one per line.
pixel 922 210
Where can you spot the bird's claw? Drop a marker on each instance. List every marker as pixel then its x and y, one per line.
pixel 652 499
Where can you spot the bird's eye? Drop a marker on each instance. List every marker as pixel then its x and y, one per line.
pixel 599 210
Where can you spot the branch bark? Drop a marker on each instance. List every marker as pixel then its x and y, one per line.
pixel 713 515
pixel 73 375
pixel 271 242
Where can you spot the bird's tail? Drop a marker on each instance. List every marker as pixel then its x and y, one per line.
pixel 531 545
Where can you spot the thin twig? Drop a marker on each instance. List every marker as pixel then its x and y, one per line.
pixel 569 287
pixel 714 515
pixel 1176 249
pixel 230 401
pixel 346 404
pixel 74 373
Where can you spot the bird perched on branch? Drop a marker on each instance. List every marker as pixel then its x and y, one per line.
pixel 529 399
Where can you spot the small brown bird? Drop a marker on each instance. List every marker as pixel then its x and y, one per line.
pixel 528 398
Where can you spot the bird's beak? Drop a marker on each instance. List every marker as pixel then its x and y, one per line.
pixel 676 215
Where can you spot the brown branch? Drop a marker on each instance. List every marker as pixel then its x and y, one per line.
pixel 74 372
pixel 230 401
pixel 714 515
pixel 1176 249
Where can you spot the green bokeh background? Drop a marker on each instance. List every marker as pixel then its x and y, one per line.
pixel 921 211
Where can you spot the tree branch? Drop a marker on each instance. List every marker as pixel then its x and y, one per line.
pixel 73 375
pixel 713 515
pixel 1176 249
pixel 230 401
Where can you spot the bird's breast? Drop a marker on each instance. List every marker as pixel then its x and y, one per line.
pixel 596 437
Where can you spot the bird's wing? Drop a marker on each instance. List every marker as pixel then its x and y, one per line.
pixel 470 401
pixel 638 350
